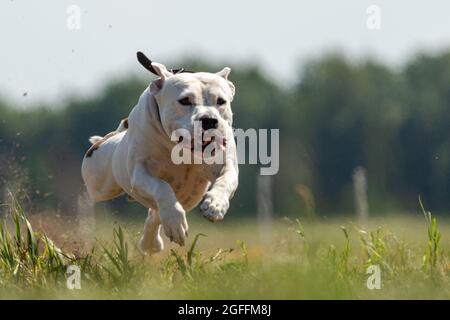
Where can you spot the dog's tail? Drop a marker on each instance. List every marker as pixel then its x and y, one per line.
pixel 95 139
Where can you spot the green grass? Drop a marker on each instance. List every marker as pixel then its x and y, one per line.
pixel 321 259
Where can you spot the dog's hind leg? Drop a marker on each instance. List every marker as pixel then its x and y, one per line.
pixel 151 241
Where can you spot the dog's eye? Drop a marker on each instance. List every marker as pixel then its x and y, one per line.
pixel 185 102
pixel 220 101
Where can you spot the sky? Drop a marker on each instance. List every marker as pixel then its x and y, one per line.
pixel 51 49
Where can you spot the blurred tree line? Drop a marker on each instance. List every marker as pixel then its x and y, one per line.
pixel 338 115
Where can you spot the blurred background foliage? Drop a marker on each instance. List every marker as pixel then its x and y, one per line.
pixel 339 114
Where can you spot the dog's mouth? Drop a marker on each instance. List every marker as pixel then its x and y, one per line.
pixel 219 144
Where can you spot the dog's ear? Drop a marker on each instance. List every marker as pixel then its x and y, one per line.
pixel 224 73
pixel 163 74
pixel 145 62
pixel 161 70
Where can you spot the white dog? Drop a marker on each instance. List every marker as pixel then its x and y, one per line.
pixel 136 158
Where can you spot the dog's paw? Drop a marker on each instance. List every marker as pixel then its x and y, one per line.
pixel 149 246
pixel 173 220
pixel 214 206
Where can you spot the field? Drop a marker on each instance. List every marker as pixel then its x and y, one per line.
pixel 290 259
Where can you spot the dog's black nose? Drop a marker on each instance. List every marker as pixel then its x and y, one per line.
pixel 209 123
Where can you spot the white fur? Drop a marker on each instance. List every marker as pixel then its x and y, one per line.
pixel 137 160
pixel 95 139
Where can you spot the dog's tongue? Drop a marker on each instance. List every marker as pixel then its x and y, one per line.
pixel 205 143
pixel 221 145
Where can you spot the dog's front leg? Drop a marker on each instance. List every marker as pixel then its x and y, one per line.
pixel 151 240
pixel 171 212
pixel 217 199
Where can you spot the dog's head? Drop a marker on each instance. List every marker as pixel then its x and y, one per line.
pixel 194 101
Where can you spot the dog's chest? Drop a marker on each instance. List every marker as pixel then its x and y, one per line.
pixel 189 182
